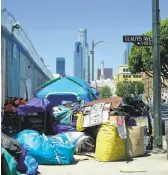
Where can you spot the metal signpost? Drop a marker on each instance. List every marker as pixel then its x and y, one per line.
pixel 156 77
pixel 153 41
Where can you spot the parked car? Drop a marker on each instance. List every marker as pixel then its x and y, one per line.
pixel 164 112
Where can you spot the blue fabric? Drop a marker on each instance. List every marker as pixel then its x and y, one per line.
pixel 31 165
pixel 42 150
pixel 67 85
pixel 59 128
pixel 27 163
pixel 64 149
pixel 63 115
pixel 33 106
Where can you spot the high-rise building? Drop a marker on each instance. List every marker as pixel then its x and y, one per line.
pixel 78 60
pixel 108 73
pixel 85 54
pixel 126 53
pixel 60 66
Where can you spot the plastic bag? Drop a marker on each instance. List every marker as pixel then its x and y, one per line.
pixel 64 149
pixel 109 145
pixel 59 128
pixel 31 165
pixel 79 122
pixel 11 145
pixel 27 163
pixel 63 115
pixel 8 163
pixel 39 147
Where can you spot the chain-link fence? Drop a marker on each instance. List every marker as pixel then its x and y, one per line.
pixel 7 21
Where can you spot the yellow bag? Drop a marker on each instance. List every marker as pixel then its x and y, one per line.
pixel 79 122
pixel 109 145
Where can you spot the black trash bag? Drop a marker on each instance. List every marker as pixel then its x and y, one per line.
pixel 131 110
pixel 12 146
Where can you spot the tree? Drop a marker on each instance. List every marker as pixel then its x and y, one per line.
pixel 127 89
pixel 140 58
pixel 105 92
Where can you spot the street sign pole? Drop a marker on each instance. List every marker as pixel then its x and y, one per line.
pixel 156 77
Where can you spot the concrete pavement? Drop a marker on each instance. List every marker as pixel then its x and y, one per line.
pixel 153 165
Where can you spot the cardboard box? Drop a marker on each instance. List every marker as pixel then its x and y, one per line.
pixel 135 141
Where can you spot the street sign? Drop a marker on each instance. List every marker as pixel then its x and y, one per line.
pixel 138 40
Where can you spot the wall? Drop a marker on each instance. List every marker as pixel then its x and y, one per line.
pixel 19 68
pixel 20 61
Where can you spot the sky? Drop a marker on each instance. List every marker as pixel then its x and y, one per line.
pixel 53 25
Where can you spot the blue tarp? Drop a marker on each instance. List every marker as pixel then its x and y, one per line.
pixel 33 106
pixel 45 152
pixel 66 86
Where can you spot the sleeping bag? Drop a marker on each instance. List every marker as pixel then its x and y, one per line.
pixel 80 140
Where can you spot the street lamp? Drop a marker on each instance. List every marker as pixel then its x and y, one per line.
pixel 92 53
pixel 16 25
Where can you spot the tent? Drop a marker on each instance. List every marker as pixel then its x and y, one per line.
pixel 96 93
pixel 65 89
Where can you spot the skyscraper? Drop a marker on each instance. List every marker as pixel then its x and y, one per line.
pixel 86 59
pixel 126 53
pixel 78 60
pixel 60 65
pixel 107 73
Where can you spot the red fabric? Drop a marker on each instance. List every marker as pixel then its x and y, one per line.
pixel 22 102
pixel 9 107
pixel 17 102
pixel 120 121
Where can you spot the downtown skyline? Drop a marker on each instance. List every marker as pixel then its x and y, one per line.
pixel 57 35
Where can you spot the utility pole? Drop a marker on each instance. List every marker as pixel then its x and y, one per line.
pixel 92 52
pixel 156 76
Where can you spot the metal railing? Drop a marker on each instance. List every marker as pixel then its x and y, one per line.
pixel 7 21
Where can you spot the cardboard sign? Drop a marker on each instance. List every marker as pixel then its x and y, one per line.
pixel 96 118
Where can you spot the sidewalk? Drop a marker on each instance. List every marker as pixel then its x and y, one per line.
pixel 153 165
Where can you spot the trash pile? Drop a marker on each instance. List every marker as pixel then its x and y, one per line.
pixel 52 135
pixel 63 119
